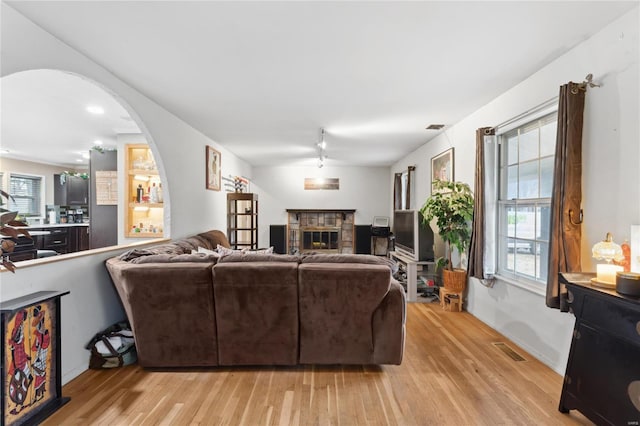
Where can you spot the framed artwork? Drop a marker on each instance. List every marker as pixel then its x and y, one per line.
pixel 442 167
pixel 321 183
pixel 213 169
pixel 31 358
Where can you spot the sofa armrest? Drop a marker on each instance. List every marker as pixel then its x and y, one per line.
pixel 171 311
pixel 389 326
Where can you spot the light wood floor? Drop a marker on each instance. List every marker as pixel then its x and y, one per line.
pixel 451 374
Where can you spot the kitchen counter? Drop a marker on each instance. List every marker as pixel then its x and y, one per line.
pixel 53 225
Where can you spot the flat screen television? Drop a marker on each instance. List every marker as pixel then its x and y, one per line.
pixel 413 238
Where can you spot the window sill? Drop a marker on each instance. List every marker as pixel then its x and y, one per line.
pixel 535 288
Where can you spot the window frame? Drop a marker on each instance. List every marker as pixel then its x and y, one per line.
pixel 41 196
pixel 513 276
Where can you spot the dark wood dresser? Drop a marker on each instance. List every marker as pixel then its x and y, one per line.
pixel 602 379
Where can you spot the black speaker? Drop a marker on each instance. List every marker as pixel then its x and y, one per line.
pixel 278 238
pixel 363 239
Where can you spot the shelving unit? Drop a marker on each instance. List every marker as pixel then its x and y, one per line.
pixel 242 220
pixel 143 218
pixel 413 269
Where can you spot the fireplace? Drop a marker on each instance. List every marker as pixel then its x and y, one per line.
pixel 321 239
pixel 320 231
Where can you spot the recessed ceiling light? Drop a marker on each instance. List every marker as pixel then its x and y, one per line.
pixel 94 109
pixel 86 156
pixel 435 126
pixel 97 142
pixel 79 160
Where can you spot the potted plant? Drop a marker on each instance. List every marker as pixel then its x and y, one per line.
pixel 8 224
pixel 451 204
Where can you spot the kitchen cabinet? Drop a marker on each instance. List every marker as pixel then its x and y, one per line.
pixel 73 192
pixel 78 239
pixel 242 220
pixel 61 239
pixel 144 216
pixel 57 240
pixel 602 379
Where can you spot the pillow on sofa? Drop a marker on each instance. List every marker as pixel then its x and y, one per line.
pixel 259 251
pixel 225 251
pixel 351 258
pixel 205 251
pixel 173 258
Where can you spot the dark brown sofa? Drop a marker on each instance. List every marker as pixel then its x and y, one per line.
pixel 191 310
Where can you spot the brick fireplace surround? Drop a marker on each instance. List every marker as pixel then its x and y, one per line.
pixel 320 230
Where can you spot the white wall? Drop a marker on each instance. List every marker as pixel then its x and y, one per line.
pixel 11 165
pixel 365 189
pixel 611 176
pixel 179 151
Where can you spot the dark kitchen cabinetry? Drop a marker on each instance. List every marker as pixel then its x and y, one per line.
pixel 79 238
pixel 602 379
pixel 73 192
pixel 62 239
pixel 57 240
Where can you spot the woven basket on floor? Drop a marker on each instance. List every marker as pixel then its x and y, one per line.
pixel 455 280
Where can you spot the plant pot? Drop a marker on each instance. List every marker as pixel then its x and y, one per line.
pixel 455 280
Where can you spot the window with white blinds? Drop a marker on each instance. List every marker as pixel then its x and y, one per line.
pixel 27 194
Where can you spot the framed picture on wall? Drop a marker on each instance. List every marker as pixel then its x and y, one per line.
pixel 213 169
pixel 442 167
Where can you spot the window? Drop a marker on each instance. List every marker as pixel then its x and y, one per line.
pixel 27 194
pixel 524 202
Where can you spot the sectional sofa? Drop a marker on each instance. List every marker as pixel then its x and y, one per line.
pixel 190 309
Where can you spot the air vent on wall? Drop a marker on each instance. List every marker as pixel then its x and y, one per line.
pixel 435 126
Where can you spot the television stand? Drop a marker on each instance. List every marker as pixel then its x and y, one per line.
pixel 411 267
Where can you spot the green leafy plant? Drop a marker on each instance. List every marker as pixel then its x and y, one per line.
pixel 451 204
pixel 8 228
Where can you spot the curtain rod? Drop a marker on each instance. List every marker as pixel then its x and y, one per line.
pixel 540 107
pixel 588 82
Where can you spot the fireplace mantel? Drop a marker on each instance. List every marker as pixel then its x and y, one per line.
pixel 343 211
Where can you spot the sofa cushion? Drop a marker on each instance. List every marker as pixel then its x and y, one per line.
pixel 256 311
pixel 351 258
pixel 255 257
pixel 171 311
pixel 173 258
pixel 337 303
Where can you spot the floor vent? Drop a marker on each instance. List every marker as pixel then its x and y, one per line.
pixel 508 351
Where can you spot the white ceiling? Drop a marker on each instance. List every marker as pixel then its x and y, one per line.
pixel 45 118
pixel 262 78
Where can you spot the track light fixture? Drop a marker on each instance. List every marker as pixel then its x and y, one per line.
pixel 322 145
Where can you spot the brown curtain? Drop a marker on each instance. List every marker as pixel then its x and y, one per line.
pixel 397 191
pixel 476 247
pixel 410 170
pixel 565 232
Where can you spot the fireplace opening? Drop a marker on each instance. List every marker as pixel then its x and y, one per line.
pixel 325 239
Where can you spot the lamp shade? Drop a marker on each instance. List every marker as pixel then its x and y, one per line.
pixel 607 250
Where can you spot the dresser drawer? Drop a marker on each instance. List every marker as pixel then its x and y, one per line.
pixel 614 318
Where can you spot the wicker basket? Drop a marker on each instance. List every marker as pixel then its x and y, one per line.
pixel 455 280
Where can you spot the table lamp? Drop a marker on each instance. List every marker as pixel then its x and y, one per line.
pixel 606 250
